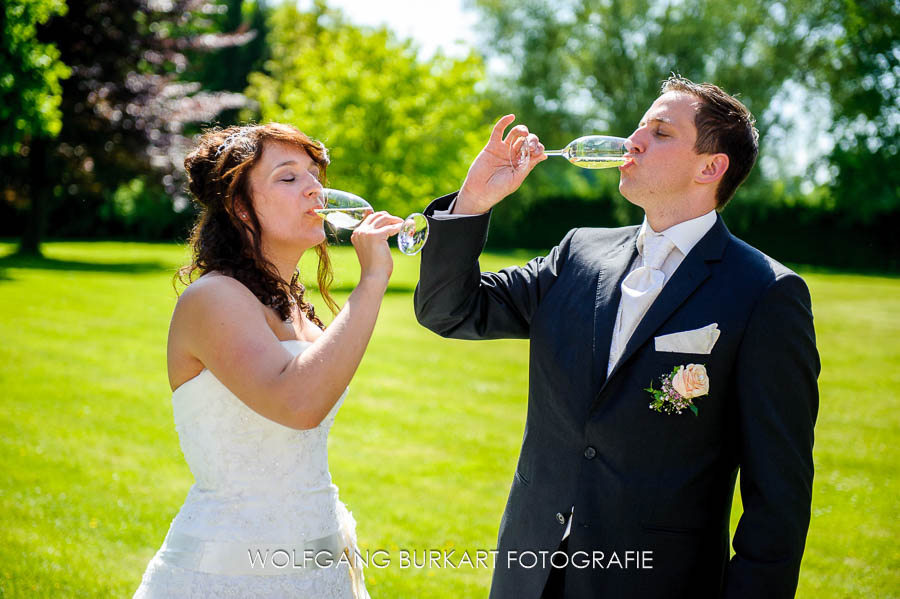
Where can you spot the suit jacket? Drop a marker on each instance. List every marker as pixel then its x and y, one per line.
pixel 642 481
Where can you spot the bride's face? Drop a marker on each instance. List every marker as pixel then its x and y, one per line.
pixel 285 187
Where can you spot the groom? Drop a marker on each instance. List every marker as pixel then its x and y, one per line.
pixel 629 493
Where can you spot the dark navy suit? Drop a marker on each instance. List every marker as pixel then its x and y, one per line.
pixel 641 480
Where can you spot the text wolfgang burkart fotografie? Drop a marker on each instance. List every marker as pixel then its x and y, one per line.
pixel 279 558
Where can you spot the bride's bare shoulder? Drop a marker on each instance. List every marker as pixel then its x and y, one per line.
pixel 215 284
pixel 210 313
pixel 214 295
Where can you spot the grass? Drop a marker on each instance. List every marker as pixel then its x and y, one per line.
pixel 424 449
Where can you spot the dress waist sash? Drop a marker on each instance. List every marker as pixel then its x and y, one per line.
pixel 238 558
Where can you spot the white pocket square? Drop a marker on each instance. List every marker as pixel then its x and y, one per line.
pixel 698 341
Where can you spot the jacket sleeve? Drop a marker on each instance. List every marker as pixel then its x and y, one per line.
pixel 455 299
pixel 776 389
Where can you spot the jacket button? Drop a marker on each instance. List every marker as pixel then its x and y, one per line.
pixel 560 518
pixel 590 453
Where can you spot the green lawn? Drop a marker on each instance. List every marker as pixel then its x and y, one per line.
pixel 423 450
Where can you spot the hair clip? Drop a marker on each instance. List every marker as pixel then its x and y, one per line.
pixel 242 137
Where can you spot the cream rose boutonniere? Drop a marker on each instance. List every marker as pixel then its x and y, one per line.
pixel 679 388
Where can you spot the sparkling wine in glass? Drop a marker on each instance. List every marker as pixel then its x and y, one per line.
pixel 344 210
pixel 590 151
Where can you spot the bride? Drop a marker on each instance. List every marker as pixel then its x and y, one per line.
pixel 257 379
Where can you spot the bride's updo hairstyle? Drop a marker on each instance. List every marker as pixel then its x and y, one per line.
pixel 218 174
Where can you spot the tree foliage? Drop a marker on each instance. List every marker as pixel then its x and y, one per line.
pixel 400 130
pixel 122 110
pixel 30 74
pixel 127 102
pixel 586 66
pixel 860 73
pixel 227 69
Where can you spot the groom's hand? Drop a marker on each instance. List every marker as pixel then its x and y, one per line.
pixel 497 170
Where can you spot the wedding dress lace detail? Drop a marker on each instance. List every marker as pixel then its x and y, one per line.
pixel 257 483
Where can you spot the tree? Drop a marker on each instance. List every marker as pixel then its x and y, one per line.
pixel 239 16
pixel 581 66
pixel 30 74
pixel 400 130
pixel 860 72
pixel 124 106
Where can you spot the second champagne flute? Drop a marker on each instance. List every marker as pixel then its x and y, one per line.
pixel 590 151
pixel 344 210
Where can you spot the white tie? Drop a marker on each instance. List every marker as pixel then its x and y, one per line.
pixel 639 290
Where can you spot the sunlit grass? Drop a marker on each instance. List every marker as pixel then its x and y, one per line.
pixel 423 450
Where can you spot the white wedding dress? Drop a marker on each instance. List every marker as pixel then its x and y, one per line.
pixel 263 518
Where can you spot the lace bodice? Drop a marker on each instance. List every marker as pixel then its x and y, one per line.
pixel 248 468
pixel 255 481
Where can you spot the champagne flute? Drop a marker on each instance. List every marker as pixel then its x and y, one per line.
pixel 344 210
pixel 590 151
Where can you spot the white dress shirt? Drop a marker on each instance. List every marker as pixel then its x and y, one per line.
pixel 684 236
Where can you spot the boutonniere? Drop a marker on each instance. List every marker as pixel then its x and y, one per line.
pixel 679 388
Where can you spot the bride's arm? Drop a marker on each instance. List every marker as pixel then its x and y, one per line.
pixel 226 330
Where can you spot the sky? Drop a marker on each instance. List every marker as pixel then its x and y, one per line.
pixel 432 24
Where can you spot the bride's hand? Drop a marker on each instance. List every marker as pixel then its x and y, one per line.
pixel 496 171
pixel 370 240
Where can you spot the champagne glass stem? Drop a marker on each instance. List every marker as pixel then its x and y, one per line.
pixel 553 152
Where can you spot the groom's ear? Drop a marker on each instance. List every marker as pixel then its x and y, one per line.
pixel 713 168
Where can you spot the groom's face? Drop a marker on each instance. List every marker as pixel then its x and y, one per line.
pixel 662 162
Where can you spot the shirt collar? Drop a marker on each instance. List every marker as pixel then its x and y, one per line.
pixel 684 235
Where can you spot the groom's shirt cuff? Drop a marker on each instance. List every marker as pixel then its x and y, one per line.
pixel 448 213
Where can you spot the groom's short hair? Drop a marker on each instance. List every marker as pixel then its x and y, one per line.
pixel 724 125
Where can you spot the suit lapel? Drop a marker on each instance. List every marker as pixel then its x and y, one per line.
pixel 691 273
pixel 612 269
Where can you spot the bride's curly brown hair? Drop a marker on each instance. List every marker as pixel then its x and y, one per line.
pixel 218 174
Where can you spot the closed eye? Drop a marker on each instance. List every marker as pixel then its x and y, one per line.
pixel 288 180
